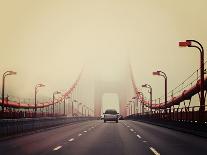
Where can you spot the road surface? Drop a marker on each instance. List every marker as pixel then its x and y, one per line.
pixel 98 138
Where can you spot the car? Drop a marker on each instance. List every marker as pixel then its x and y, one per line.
pixel 111 115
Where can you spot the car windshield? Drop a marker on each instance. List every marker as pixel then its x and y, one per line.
pixel 110 112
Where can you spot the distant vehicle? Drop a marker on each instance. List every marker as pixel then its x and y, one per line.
pixel 111 115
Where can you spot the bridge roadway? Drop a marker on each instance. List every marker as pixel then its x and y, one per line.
pixel 98 138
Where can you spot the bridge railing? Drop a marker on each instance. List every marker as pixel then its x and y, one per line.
pixel 186 84
pixel 10 127
pixel 183 114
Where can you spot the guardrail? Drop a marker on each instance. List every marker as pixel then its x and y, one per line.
pixel 184 114
pixel 10 127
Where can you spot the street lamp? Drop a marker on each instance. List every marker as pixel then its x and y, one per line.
pixel 82 109
pixel 79 105
pixel 160 73
pixel 53 101
pixel 72 105
pixel 150 88
pixel 130 105
pixel 37 86
pixel 196 44
pixel 136 97
pixel 3 85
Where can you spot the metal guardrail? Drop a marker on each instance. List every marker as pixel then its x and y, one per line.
pixel 183 114
pixel 10 127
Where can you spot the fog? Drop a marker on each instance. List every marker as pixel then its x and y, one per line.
pixel 50 41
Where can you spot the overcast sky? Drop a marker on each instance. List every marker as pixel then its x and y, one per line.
pixel 48 41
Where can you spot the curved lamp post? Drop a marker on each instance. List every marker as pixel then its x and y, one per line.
pixel 3 85
pixel 36 87
pixel 160 73
pixel 150 91
pixel 196 44
pixel 79 105
pixel 73 106
pixel 53 101
pixel 83 109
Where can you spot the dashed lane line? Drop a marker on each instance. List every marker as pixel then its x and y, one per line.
pixel 154 151
pixel 85 131
pixel 79 134
pixel 131 130
pixel 70 140
pixel 57 148
pixel 139 136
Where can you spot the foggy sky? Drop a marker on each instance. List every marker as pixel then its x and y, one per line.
pixel 49 41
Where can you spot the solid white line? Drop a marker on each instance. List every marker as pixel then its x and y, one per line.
pixel 139 136
pixel 154 151
pixel 70 140
pixel 79 134
pixel 57 148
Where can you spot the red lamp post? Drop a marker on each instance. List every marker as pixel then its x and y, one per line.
pixel 196 44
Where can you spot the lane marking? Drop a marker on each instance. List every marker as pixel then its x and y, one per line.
pixel 57 148
pixel 128 126
pixel 154 151
pixel 139 136
pixel 79 134
pixel 131 130
pixel 85 131
pixel 70 140
pixel 144 141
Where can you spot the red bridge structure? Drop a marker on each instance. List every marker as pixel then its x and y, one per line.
pixel 195 84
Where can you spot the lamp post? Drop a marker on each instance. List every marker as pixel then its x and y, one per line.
pixel 150 91
pixel 130 106
pixel 136 104
pixel 3 85
pixel 83 109
pixel 79 105
pixel 196 44
pixel 73 105
pixel 53 101
pixel 36 87
pixel 142 101
pixel 160 73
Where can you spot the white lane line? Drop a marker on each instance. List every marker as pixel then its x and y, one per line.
pixel 79 134
pixel 144 141
pixel 131 130
pixel 57 148
pixel 154 151
pixel 139 136
pixel 70 140
pixel 85 131
pixel 128 126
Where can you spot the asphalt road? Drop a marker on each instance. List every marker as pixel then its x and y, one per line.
pixel 98 138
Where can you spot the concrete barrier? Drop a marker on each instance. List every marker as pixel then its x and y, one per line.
pixel 10 127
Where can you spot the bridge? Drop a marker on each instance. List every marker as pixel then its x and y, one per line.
pixel 64 113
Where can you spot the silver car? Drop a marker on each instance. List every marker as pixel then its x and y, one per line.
pixel 111 115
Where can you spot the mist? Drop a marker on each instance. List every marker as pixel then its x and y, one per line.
pixel 50 42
